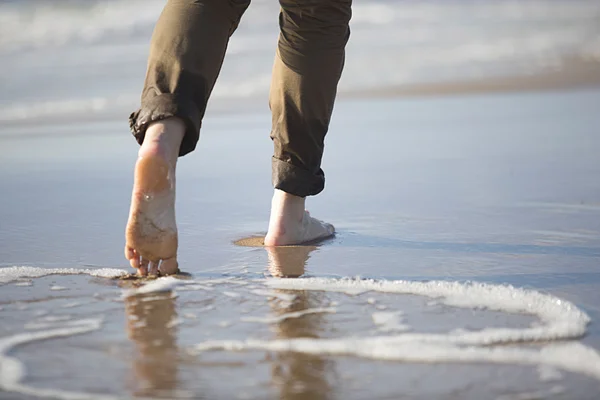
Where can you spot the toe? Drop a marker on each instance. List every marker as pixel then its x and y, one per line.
pixel 129 253
pixel 153 270
pixel 143 269
pixel 169 266
pixel 330 228
pixel 138 263
pixel 135 262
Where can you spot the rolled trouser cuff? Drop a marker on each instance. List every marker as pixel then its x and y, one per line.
pixel 165 106
pixel 296 180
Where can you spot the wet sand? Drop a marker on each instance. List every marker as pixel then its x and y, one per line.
pixel 497 188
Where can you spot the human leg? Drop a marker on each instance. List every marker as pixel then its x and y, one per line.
pixel 308 65
pixel 186 53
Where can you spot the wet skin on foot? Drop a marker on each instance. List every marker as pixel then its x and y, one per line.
pixel 151 233
pixel 291 224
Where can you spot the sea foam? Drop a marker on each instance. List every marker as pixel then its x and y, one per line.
pixel 10 274
pixel 12 371
pixel 559 320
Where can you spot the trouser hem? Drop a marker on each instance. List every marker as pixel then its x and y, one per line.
pixel 296 180
pixel 165 106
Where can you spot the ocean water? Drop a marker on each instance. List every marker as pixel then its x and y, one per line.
pixel 65 57
pixel 444 204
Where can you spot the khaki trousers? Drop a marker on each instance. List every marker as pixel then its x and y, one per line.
pixel 186 53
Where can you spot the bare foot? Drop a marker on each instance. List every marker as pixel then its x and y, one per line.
pixel 290 224
pixel 151 233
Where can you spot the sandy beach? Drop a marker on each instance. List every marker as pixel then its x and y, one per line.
pixel 496 188
pixel 461 167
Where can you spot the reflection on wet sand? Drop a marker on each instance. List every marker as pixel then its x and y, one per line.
pixel 294 376
pixel 150 326
pixel 298 376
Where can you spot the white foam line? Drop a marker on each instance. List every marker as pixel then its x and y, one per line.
pixel 573 357
pixel 192 287
pixel 73 304
pixel 159 285
pixel 10 274
pixel 559 320
pixel 55 318
pixel 147 299
pixel 283 317
pixel 271 293
pixel 548 374
pixel 12 371
pixel 349 290
pixel 389 321
pixel 216 281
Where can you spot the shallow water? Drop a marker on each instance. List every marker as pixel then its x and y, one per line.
pixel 499 189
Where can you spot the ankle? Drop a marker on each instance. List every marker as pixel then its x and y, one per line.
pixel 164 138
pixel 286 205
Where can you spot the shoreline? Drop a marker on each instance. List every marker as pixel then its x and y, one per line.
pixel 576 74
pixel 460 189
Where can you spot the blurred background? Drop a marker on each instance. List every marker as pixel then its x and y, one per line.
pixel 81 58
